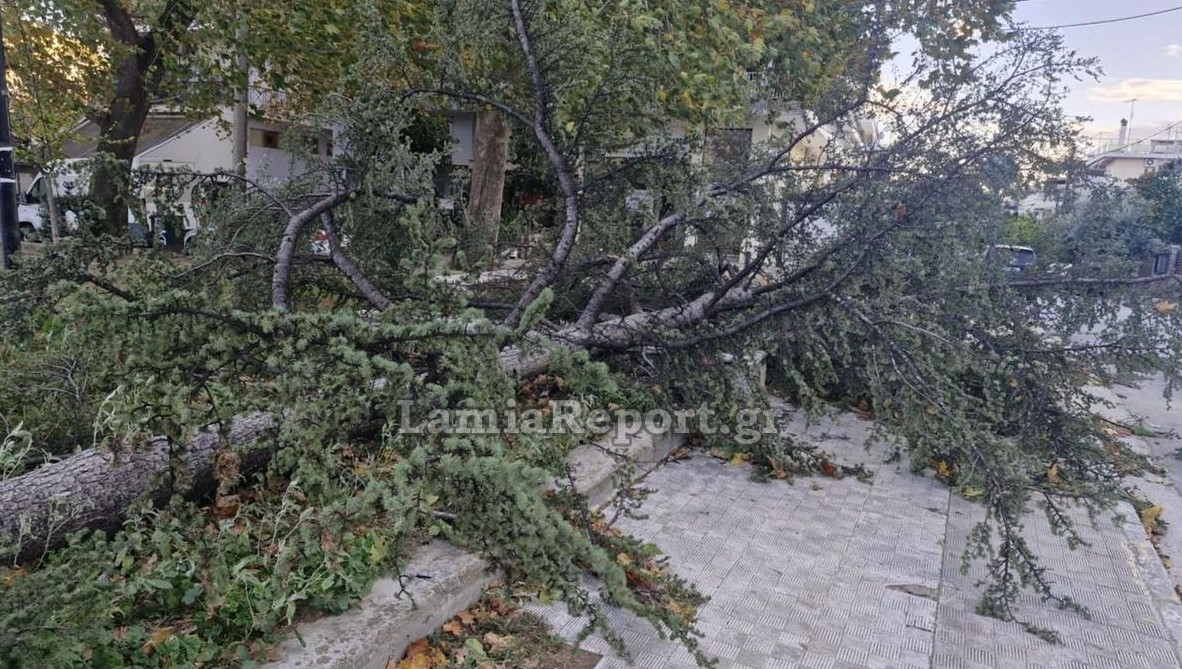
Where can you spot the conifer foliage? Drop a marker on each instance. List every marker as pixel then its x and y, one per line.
pixel 651 253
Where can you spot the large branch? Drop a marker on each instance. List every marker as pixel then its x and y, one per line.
pixel 349 269
pixel 281 274
pixel 93 489
pixel 566 179
pixel 119 21
pixel 622 265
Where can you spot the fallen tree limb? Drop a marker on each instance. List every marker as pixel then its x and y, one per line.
pixel 93 489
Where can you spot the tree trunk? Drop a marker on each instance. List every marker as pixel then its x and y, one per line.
pixel 92 490
pixel 111 184
pixel 120 132
pixel 55 213
pixel 487 190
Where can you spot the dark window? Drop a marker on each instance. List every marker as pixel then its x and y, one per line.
pixel 1161 264
pixel 267 139
pixel 36 192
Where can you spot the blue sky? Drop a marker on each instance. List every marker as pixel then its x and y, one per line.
pixel 1141 59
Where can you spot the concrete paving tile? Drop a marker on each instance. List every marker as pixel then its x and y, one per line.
pixel 836 578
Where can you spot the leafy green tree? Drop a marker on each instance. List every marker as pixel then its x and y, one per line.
pixel 1162 192
pixel 182 54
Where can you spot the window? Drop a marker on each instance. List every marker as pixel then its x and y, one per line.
pixel 36 192
pixel 1161 264
pixel 267 139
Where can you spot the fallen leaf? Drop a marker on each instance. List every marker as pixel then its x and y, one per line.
pixel 943 470
pixel 158 638
pixel 778 470
pixel 421 655
pixel 828 469
pixel 1165 307
pixel 473 647
pixel 496 642
pixel 680 454
pixel 453 627
pixel 624 559
pixel 740 459
pixel 497 604
pixel 1149 518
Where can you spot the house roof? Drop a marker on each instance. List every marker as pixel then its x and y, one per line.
pixel 157 129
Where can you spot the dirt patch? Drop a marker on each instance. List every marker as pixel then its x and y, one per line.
pixel 494 634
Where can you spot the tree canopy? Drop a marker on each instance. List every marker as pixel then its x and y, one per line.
pixel 859 265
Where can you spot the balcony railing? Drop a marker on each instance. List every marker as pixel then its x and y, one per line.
pixel 1170 147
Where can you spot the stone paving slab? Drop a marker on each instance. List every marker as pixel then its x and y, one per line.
pixel 840 574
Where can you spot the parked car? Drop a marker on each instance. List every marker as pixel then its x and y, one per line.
pixel 1017 259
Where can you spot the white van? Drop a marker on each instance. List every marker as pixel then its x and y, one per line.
pixel 31 211
pixel 71 181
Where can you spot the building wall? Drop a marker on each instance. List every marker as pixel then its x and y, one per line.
pixel 463 137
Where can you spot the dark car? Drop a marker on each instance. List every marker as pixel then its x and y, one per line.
pixel 1017 259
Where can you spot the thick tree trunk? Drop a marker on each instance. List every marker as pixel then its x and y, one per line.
pixel 120 129
pixel 92 490
pixel 488 184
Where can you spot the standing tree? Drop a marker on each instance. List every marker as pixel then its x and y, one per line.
pixel 1162 191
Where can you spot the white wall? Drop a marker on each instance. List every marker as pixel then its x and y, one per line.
pixel 202 148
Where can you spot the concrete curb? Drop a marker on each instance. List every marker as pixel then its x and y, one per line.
pixel 441 579
pixel 1157 580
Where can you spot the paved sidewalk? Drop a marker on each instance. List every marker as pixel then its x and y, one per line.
pixel 831 574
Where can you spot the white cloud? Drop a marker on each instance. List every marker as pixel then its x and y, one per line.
pixel 1144 90
pixel 1174 51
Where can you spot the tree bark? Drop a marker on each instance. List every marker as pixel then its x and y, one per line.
pixel 93 490
pixel 139 76
pixel 281 274
pixel 487 190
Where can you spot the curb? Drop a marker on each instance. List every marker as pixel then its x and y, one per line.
pixel 1145 559
pixel 441 579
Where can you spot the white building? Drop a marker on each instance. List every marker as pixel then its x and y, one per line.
pixel 1127 159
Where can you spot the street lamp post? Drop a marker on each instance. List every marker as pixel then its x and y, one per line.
pixel 10 236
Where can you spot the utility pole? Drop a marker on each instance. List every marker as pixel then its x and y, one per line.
pixel 241 102
pixel 10 234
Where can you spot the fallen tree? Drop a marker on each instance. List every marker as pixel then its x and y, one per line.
pixel 95 488
pixel 859 263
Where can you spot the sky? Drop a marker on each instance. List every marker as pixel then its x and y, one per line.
pixel 1141 58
